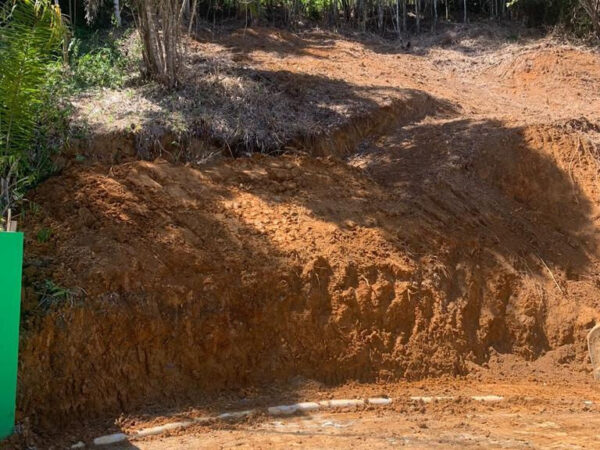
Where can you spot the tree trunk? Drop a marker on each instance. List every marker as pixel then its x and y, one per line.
pixel 158 25
pixel 193 16
pixel 363 15
pixel 117 13
pixel 185 9
pixel 592 8
pixel 418 15
pixel 335 12
pixel 435 14
pixel 465 8
pixel 398 26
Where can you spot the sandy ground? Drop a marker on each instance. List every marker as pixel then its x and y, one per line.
pixel 494 428
pixel 529 415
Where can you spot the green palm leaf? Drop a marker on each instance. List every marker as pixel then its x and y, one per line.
pixel 31 33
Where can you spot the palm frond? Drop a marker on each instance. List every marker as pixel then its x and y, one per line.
pixel 31 32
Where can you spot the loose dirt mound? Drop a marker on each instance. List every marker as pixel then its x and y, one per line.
pixel 264 268
pixel 545 79
pixel 576 69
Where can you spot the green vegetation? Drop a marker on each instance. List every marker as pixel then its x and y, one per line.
pixel 31 36
pixel 96 59
pixel 44 235
pixel 102 67
pixel 52 295
pixel 578 16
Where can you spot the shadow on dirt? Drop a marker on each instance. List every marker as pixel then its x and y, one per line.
pixel 456 180
pixel 471 39
pixel 429 249
pixel 242 43
pixel 243 110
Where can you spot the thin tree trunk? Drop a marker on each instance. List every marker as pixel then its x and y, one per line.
pixel 159 28
pixel 184 11
pixel 418 15
pixel 117 13
pixel 465 8
pixel 363 15
pixel 404 25
pixel 398 26
pixel 193 16
pixel 592 7
pixel 335 12
pixel 435 14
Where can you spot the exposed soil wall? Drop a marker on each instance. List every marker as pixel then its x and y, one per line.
pixel 419 234
pixel 264 268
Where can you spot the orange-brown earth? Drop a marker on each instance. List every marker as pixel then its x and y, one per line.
pixel 529 416
pixel 417 234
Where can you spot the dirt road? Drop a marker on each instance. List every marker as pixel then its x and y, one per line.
pixel 438 415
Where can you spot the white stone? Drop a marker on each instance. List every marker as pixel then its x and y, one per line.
pixel 163 428
pixel 342 403
pixel 291 409
pixel 235 415
pixel 487 398
pixel 203 419
pixel 80 444
pixel 110 439
pixel 379 401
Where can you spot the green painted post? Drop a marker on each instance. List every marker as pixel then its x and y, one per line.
pixel 11 261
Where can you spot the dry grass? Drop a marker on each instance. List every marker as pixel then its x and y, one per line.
pixel 237 105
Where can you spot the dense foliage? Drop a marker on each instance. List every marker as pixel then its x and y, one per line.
pixel 578 16
pixel 96 59
pixel 31 35
pixel 393 15
pixel 159 22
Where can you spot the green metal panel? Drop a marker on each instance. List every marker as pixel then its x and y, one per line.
pixel 11 260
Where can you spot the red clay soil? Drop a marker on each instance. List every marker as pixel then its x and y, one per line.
pixel 531 415
pixel 426 251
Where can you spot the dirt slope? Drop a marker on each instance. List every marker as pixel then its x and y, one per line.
pixel 441 234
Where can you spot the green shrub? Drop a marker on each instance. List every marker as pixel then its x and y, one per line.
pixel 96 63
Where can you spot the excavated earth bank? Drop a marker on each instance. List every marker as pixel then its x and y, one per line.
pixel 420 253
